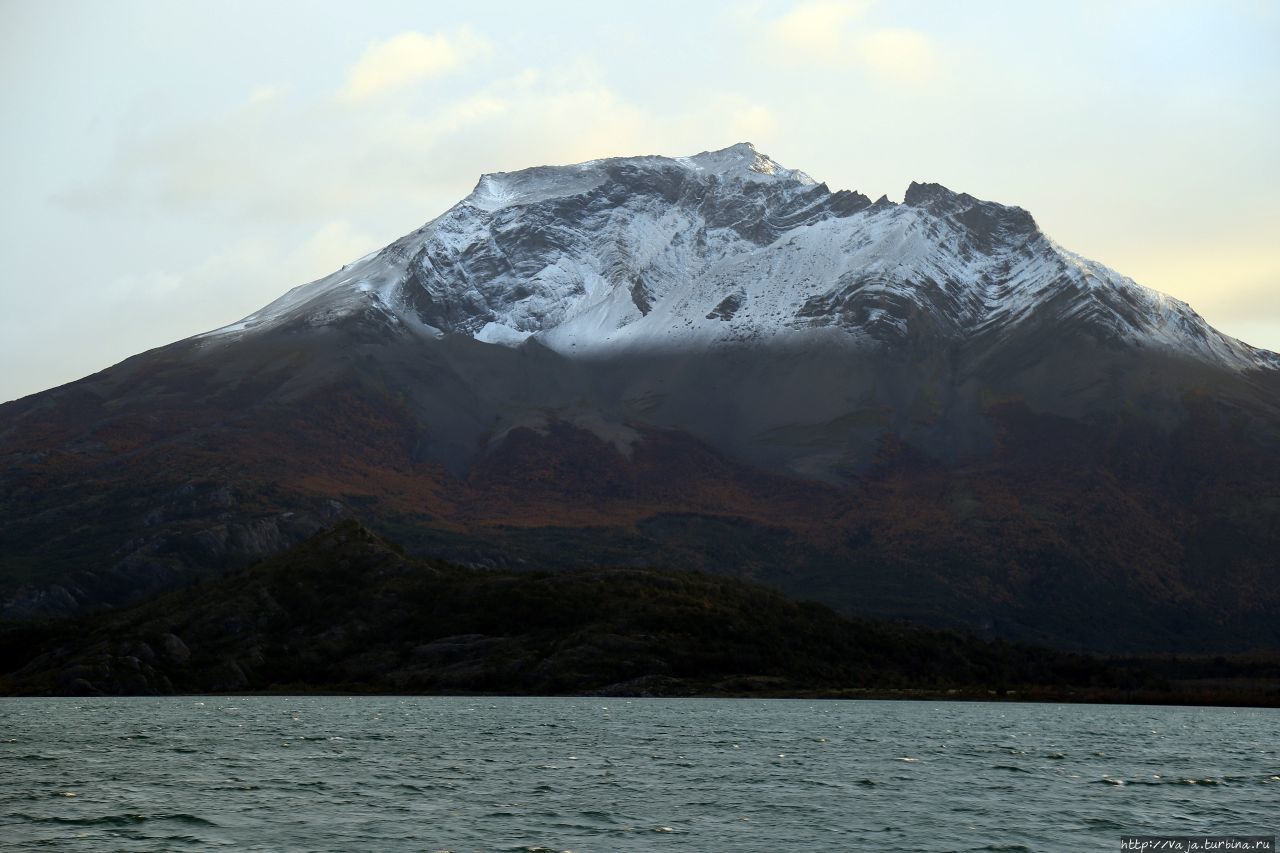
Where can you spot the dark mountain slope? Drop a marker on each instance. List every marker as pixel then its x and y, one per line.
pixel 171 465
pixel 346 611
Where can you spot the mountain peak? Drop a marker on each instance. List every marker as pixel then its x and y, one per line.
pixel 742 160
pixel 985 220
pixel 922 194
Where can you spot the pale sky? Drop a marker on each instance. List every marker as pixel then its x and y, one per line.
pixel 170 167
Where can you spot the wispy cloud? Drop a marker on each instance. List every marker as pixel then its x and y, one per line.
pixel 302 161
pixel 818 30
pixel 902 56
pixel 266 94
pixel 837 34
pixel 408 58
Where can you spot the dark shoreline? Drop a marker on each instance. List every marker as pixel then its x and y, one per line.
pixel 1019 697
pixel 347 613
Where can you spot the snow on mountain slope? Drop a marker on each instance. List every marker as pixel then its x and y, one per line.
pixel 653 253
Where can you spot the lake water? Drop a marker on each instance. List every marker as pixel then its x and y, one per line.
pixel 462 774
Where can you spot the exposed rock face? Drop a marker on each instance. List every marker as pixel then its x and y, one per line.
pixel 926 410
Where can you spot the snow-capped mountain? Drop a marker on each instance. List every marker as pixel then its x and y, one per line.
pixel 925 410
pixel 728 247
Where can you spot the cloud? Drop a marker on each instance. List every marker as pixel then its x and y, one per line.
pixel 266 94
pixel 408 58
pixel 818 30
pixel 392 163
pixel 835 34
pixel 903 56
pixel 746 120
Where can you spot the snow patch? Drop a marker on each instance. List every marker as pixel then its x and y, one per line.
pixel 497 333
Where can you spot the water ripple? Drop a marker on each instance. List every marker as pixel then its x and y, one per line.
pixel 550 775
